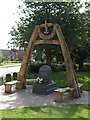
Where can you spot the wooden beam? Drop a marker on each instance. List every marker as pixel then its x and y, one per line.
pixel 68 61
pixel 47 24
pixel 55 42
pixel 28 53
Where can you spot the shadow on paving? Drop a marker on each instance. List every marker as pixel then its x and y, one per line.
pixel 25 98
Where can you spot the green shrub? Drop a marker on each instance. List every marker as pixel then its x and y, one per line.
pixel 36 67
pixel 86 67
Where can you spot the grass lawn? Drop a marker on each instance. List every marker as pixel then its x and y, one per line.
pixel 58 111
pixel 61 78
pixel 7 63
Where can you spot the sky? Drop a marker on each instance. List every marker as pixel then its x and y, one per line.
pixel 8 16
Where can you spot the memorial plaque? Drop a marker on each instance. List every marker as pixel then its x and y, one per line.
pixel 46 85
pixel 45 73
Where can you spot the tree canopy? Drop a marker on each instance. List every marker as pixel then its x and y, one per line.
pixel 74 25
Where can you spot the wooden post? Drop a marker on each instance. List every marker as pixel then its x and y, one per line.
pixel 68 62
pixel 27 55
pixel 8 88
pixel 58 96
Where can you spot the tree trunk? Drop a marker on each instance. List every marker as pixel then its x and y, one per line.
pixel 48 56
pixel 81 65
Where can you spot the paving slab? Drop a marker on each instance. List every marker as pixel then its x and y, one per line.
pixel 25 98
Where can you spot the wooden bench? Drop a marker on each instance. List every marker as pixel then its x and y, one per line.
pixel 59 92
pixel 30 81
pixel 73 93
pixel 8 85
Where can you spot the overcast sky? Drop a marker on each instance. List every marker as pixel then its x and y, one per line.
pixel 8 16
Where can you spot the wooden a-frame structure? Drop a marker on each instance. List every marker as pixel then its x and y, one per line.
pixel 47 39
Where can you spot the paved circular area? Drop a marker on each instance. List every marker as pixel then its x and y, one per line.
pixel 25 98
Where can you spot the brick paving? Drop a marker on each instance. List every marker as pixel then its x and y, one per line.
pixel 25 98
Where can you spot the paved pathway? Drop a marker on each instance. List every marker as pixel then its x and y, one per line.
pixel 25 98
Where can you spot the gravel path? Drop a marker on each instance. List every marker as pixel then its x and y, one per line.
pixel 25 98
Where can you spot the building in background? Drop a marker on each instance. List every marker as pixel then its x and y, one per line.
pixel 11 54
pixel 19 55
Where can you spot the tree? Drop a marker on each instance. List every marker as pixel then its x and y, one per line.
pixel 81 49
pixel 66 14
